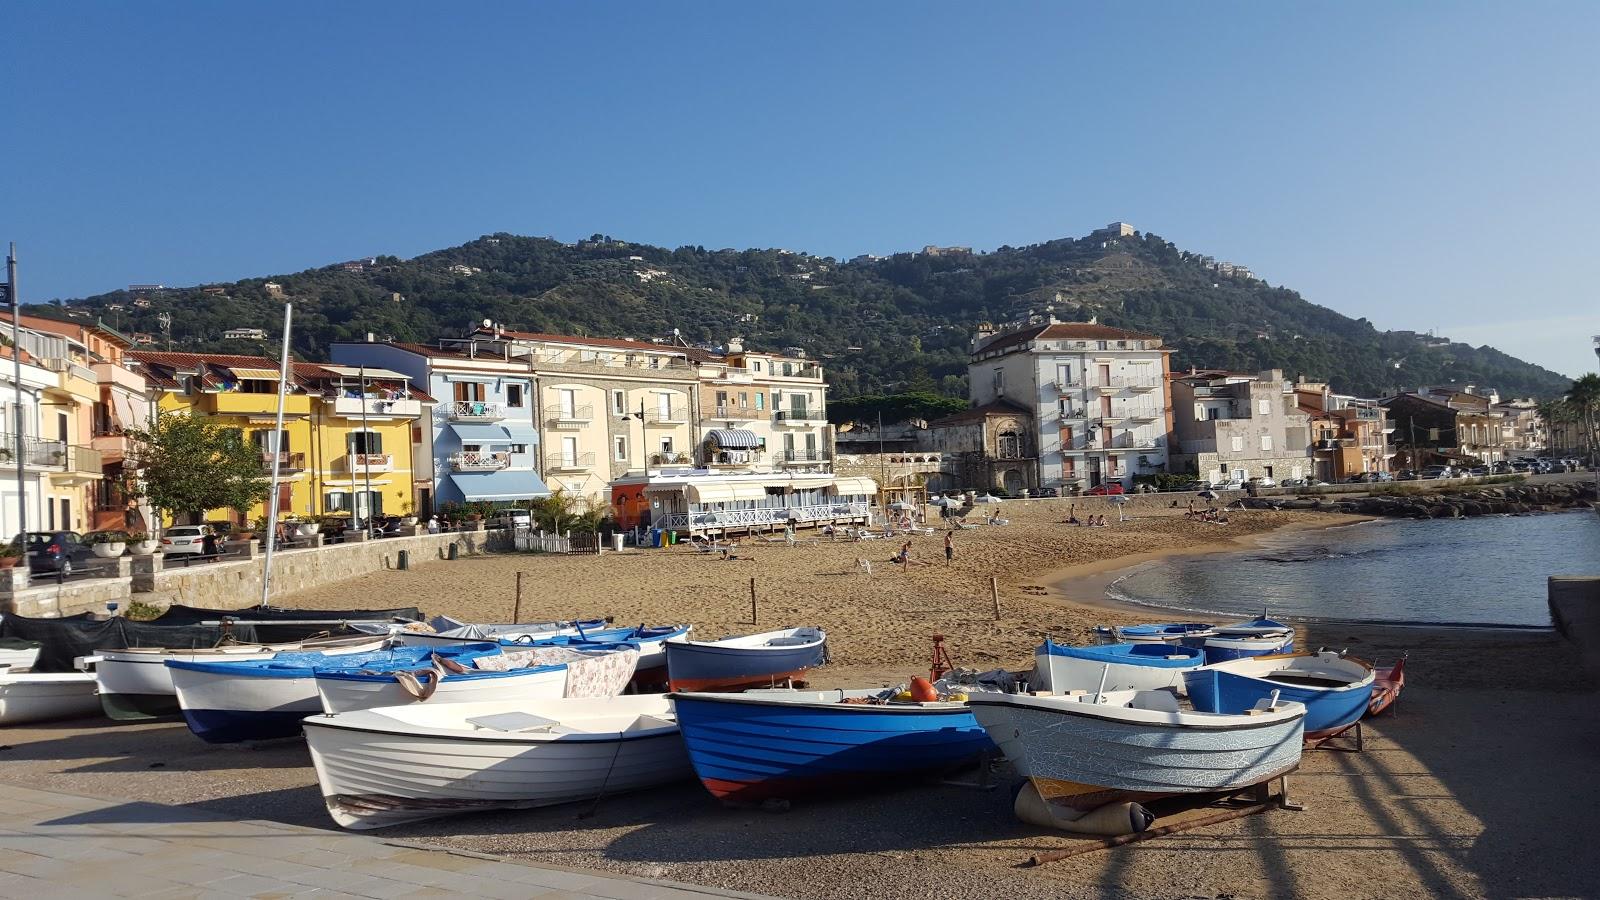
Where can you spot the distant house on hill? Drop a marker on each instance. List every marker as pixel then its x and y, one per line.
pixel 245 334
pixel 1116 229
pixel 274 289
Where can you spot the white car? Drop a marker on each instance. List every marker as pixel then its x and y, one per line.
pixel 184 539
pixel 1234 485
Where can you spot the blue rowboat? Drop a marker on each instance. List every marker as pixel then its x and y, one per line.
pixel 786 744
pixel 1189 634
pixel 649 641
pixel 254 700
pixel 751 661
pixel 1334 689
pixel 1124 667
pixel 1222 647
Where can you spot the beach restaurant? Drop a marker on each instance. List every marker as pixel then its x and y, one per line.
pixel 699 501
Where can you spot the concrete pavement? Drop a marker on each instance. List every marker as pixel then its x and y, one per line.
pixel 63 845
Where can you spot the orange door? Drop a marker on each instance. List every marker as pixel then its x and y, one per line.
pixel 1105 407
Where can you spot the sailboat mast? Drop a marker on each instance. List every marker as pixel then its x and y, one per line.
pixel 277 457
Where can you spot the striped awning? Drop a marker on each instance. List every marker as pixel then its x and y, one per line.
pixel 803 483
pixel 734 438
pixel 711 493
pixel 256 374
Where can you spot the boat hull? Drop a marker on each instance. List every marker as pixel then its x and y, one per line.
pixel 1222 648
pixel 1060 671
pixel 1328 710
pixel 747 750
pixel 374 774
pixel 695 666
pixel 346 692
pixel 1079 758
pixel 227 708
pixel 26 697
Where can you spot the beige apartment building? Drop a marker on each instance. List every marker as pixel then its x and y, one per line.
pixel 1230 427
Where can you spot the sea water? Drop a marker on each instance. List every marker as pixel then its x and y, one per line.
pixel 1489 570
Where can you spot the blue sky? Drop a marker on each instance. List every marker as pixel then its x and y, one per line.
pixel 1426 165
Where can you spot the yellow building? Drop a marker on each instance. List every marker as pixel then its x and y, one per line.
pixel 347 433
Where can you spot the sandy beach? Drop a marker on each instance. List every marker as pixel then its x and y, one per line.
pixel 1487 765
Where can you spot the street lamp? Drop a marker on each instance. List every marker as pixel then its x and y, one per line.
pixel 644 459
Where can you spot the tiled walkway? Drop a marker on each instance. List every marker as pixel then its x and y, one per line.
pixel 62 845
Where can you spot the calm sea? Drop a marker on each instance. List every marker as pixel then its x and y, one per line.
pixel 1488 570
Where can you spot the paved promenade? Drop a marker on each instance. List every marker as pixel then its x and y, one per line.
pixel 63 845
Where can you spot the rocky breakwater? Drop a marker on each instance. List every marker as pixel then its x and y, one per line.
pixel 1489 500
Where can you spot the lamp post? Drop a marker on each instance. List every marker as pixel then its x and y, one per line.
pixel 16 360
pixel 644 457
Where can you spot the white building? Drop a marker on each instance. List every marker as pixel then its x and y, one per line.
pixel 40 458
pixel 1097 397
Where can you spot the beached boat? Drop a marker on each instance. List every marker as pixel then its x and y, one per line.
pixel 532 673
pixel 1124 667
pixel 17 654
pixel 135 684
pixel 649 641
pixel 445 631
pixel 260 699
pixel 1334 689
pixel 39 697
pixel 1084 751
pixel 1189 634
pixel 392 765
pixel 1388 682
pixel 786 744
pixel 1258 637
pixel 768 659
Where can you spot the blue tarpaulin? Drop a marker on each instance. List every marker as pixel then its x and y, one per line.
pixel 474 433
pixel 503 485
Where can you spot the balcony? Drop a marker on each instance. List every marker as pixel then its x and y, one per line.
pixel 356 407
pixel 677 415
pixel 35 453
pixel 479 461
pixel 355 463
pixel 670 459
pixel 288 461
pixel 1062 385
pixel 242 403
pixel 1117 383
pixel 797 370
pixel 735 414
pixel 561 416
pixel 474 411
pixel 1144 414
pixel 569 462
pixel 1129 442
pixel 802 457
pixel 84 460
pixel 798 418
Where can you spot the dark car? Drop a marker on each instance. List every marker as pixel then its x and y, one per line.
pixel 56 551
pixel 1047 492
pixel 1110 487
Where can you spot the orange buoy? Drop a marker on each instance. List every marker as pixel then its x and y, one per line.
pixel 922 690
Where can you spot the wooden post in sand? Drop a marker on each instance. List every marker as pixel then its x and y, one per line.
pixel 516 611
pixel 994 594
pixel 752 601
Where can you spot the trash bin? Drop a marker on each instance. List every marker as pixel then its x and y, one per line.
pixel 655 537
pixel 616 542
pixel 404 562
pixel 672 537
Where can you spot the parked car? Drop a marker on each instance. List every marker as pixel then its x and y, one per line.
pixel 1047 492
pixel 1110 487
pixel 1478 471
pixel 1263 481
pixel 56 551
pixel 190 540
pixel 1233 485
pixel 1432 472
pixel 1292 483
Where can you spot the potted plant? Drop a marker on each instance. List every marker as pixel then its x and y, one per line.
pixel 108 544
pixel 407 514
pixel 9 556
pixel 141 544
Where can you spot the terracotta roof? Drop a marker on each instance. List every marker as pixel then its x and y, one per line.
pixel 979 413
pixel 1065 331
pixel 191 360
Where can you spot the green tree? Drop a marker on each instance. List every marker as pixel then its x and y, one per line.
pixel 189 464
pixel 1584 398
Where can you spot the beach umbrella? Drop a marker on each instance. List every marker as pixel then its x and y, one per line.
pixel 944 501
pixel 901 506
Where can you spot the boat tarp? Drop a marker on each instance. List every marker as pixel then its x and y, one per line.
pixel 65 639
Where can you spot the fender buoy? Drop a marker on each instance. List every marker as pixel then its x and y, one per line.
pixel 1111 820
pixel 922 690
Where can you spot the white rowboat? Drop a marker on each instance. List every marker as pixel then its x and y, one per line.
pixel 30 697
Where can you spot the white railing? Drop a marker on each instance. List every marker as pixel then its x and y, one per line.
pixel 1126 381
pixel 738 413
pixel 560 462
pixel 480 461
pixel 526 539
pixel 761 515
pixel 558 413
pixel 476 410
pixel 798 416
pixel 375 406
pixel 677 415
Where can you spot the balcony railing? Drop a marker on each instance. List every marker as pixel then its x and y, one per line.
pixel 670 459
pixel 475 411
pixel 51 454
pixel 368 462
pixel 480 461
pixel 677 415
pixel 805 456
pixel 83 460
pixel 557 414
pixel 1129 442
pixel 288 461
pixel 1117 382
pixel 798 416
pixel 1143 413
pixel 354 407
pixel 736 413
pixel 761 515
pixel 563 462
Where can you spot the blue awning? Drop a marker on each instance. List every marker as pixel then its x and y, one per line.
pixel 734 438
pixel 521 433
pixel 501 485
pixel 477 432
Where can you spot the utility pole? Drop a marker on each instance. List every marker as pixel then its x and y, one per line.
pixel 366 447
pixel 16 374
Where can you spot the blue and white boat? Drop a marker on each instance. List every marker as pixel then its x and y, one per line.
pixel 1258 637
pixel 1189 634
pixel 1335 689
pixel 786 744
pixel 1122 667
pixel 252 700
pixel 749 661
pixel 516 673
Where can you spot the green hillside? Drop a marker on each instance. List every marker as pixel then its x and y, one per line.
pixel 880 324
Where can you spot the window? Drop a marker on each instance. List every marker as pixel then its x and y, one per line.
pixel 664 407
pixel 761 400
pixel 1213 414
pixel 999 380
pixel 666 444
pixel 619 403
pixel 569 451
pixel 519 448
pixel 262 439
pixel 788 369
pixel 469 390
pixel 416 434
pixel 756 364
pixel 1238 443
pixel 1010 445
pixel 1065 407
pixel 568 400
pixel 514 395
pixel 61 426
pixel 1264 406
pixel 722 399
pixel 336 501
pixel 1266 442
pixel 619 447
pixel 364 442
pixel 1063 375
pixel 1103 345
pixel 744 399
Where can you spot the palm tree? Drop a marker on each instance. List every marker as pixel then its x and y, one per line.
pixel 1584 398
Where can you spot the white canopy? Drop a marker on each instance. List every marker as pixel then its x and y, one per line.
pixel 711 493
pixel 850 487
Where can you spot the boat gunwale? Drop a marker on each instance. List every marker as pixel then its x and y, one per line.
pixel 943 707
pixel 517 738
pixel 1085 711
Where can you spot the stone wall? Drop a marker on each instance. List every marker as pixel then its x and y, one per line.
pixel 46 599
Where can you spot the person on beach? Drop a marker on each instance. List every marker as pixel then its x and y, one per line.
pixel 904 556
pixel 949 547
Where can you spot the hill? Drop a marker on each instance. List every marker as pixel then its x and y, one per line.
pixel 880 324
